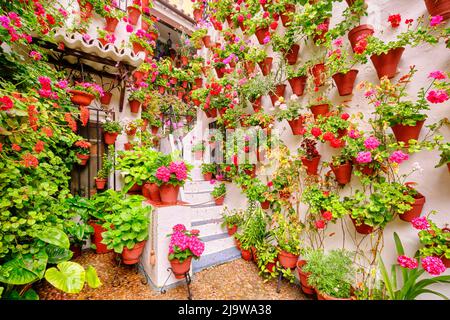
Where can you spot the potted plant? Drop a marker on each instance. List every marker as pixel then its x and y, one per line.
pixel 198 150
pixel 436 240
pixel 256 191
pixel 297 79
pixel 170 178
pixel 342 167
pixel 320 107
pixel 267 257
pixel 291 112
pixel 310 156
pixel 287 234
pixel 260 119
pixel 219 193
pixel 141 42
pixel 438 8
pixel 135 99
pixel 331 274
pixel 208 169
pixel 134 12
pixel 132 126
pixel 127 228
pixel 111 129
pixel 103 173
pixel 83 93
pixel 286 45
pixel 254 89
pixel 259 56
pixel 231 220
pixel 416 206
pixel 111 14
pixel 82 151
pixel 180 254
pixel 253 231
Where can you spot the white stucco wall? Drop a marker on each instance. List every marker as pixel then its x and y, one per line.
pixel 434 183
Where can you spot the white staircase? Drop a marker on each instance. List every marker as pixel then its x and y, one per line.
pixel 206 217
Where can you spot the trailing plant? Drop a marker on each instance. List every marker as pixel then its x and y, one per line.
pixel 107 164
pixel 112 127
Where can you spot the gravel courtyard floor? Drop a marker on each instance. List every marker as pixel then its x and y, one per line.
pixel 234 280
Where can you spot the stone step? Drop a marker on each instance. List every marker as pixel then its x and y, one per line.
pixel 198 197
pixel 209 227
pixel 209 260
pixel 217 242
pixel 206 212
pixel 198 186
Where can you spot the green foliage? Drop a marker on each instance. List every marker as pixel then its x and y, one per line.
pixel 255 87
pixel 107 164
pixel 256 190
pixel 138 95
pixel 253 229
pixel 232 217
pixel 112 127
pixel 219 190
pixel 321 200
pixel 208 168
pixel 267 253
pixel 436 241
pixel 287 233
pixel 445 154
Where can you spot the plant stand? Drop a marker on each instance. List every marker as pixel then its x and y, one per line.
pixel 188 282
pixel 117 281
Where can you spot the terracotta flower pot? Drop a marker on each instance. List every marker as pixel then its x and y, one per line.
pixel 251 172
pixel 97 238
pixel 292 54
pixel 238 243
pixel 134 105
pixel 386 63
pixel 106 99
pixel 279 92
pixel 110 137
pixel 131 132
pixel 135 189
pixel 345 82
pixel 343 172
pixel 154 130
pixel 405 133
pixel 219 201
pixel 137 47
pixel 198 13
pixel 86 11
pixel 366 169
pixel 169 193
pixel 207 41
pixel 318 72
pixel 131 256
pixel 287 260
pixel 100 183
pixel 133 15
pixel 198 82
pixel 297 126
pixel 219 72
pixel 184 60
pixel 76 250
pixel 438 8
pixel 270 266
pixel 249 66
pixel 180 269
pixel 266 65
pixel 246 254
pixel 198 155
pixel 256 105
pixel 320 109
pixel 111 24
pixel 84 158
pixel 416 209
pixel 260 33
pixel 298 85
pixel 306 288
pixel 207 176
pixel 285 18
pixel 358 33
pixel 445 261
pixel 151 191
pixel 362 228
pixel 81 98
pixel 311 165
pixel 232 230
pixel 254 254
pixel 128 146
pixel 324 296
pixel 265 205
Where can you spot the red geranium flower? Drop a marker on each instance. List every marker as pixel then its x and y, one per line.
pixel 395 20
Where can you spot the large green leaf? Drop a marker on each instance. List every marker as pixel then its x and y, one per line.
pixel 24 269
pixel 54 236
pixel 91 277
pixel 68 277
pixel 30 294
pixel 57 254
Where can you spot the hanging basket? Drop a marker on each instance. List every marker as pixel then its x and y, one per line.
pixel 298 85
pixel 386 63
pixel 81 98
pixel 133 15
pixel 345 82
pixel 292 54
pixel 405 133
pixel 110 137
pixel 111 24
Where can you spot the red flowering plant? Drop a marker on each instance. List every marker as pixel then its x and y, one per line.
pixel 184 244
pixel 176 173
pixel 331 128
pixel 82 147
pixel 92 88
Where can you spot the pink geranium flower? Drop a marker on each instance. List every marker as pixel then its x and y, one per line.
pixel 437 75
pixel 437 96
pixel 398 157
pixel 364 157
pixel 433 265
pixel 371 143
pixel 420 223
pixel 407 262
pixel 436 20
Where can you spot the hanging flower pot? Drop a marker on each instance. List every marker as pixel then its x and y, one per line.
pixel 232 229
pixel 321 33
pixel 246 254
pixel 285 18
pixel 284 194
pixel 134 105
pixel 343 172
pixel 137 47
pixel 249 66
pixel 297 126
pixel 265 204
pixel 198 82
pixel 345 82
pixel 219 72
pixel 358 33
pixel 207 41
pixel 254 254
pixel 169 193
pixel 416 210
pixel 207 176
pixel 219 201
pixel 180 268
pixel 86 10
pixel 298 85
pixel 287 260
pixel 241 25
pixel 279 92
pixel 131 132
pixel 238 243
pixel 362 228
pixel 320 109
pixel 138 76
pixel 386 63
pixel 106 99
pixel 311 165
pixel 260 34
pixel 251 172
pixel 131 256
pixel 438 8
pixel 111 24
pixel 256 105
pixel 81 98
pixel 292 54
pixel 100 183
pixel 318 72
pixel 133 15
pixel 303 276
pixel 110 137
pixel 198 13
pixel 154 130
pixel 97 238
pixel 151 191
pixel 405 133
pixel 84 158
pixel 230 21
pixel 366 169
pixel 266 65
pixel 198 155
